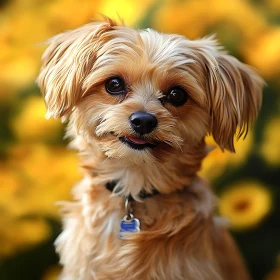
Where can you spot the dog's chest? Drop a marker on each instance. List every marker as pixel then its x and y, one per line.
pixel 90 247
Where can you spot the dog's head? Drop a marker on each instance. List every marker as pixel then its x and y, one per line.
pixel 142 94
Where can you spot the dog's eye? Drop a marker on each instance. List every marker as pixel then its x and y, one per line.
pixel 177 96
pixel 115 86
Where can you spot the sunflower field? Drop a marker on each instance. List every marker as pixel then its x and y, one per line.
pixel 37 169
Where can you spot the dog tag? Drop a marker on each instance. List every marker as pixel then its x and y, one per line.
pixel 129 224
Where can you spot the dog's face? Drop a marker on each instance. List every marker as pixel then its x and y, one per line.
pixel 142 95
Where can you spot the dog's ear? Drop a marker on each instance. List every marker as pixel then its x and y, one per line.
pixel 235 100
pixel 234 93
pixel 65 64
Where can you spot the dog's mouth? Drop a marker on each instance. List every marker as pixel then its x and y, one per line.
pixel 137 143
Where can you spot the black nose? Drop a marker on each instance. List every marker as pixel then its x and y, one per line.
pixel 143 122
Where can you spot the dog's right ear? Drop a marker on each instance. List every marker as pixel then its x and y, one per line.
pixel 66 62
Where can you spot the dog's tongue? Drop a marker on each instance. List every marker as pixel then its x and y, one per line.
pixel 137 140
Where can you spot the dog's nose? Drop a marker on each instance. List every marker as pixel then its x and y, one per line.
pixel 143 122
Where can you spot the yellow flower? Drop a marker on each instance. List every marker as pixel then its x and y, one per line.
pixel 31 125
pixel 263 51
pixel 31 231
pixel 216 161
pixel 233 13
pixel 52 273
pixel 192 19
pixel 44 172
pixel 20 53
pixel 270 148
pixel 126 9
pixel 10 184
pixel 189 18
pixel 19 73
pixel 245 204
pixel 18 234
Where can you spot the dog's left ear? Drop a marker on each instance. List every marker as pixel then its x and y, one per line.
pixel 235 97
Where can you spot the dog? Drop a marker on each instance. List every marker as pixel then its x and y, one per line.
pixel 139 105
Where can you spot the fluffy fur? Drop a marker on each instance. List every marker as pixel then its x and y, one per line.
pixel 180 237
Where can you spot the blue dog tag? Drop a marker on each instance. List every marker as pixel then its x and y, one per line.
pixel 129 224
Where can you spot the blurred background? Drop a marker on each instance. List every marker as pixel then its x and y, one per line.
pixel 36 168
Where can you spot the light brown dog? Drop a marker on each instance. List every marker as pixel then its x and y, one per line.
pixel 140 104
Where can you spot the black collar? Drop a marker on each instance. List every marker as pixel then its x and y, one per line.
pixel 142 195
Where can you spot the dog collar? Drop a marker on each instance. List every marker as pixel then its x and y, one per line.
pixel 142 195
pixel 129 223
